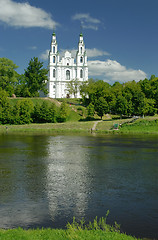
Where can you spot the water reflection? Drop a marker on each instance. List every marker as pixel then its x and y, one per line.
pixel 67 177
pixel 46 180
pixel 22 199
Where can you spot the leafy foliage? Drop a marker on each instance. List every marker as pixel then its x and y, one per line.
pixel 36 77
pixel 72 87
pixel 45 113
pixel 8 75
pixel 101 106
pixel 5 108
pixel 90 110
pixel 22 112
pixel 130 98
pixel 63 112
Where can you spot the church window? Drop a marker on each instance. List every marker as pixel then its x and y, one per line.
pixel 53 59
pixel 81 73
pixel 81 49
pixel 67 75
pixel 53 73
pixel 53 49
pixel 81 60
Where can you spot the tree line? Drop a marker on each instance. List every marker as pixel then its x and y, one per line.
pixel 128 99
pixel 28 84
pixel 25 112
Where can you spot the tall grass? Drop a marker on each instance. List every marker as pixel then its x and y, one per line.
pixel 96 230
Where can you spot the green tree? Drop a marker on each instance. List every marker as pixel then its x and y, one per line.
pixel 36 113
pixel 73 87
pixel 147 107
pixel 21 88
pixel 90 110
pixel 8 75
pixel 22 112
pixel 44 114
pixel 36 77
pixel 134 95
pixel 5 108
pixel 121 105
pixel 63 112
pixel 101 107
pixel 53 113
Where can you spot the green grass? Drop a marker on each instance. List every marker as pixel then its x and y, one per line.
pixel 58 234
pixel 97 230
pixel 145 126
pixel 48 127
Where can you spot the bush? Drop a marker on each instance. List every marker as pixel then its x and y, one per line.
pixel 22 112
pixel 63 112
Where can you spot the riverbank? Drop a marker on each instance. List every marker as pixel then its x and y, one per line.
pixel 147 125
pixel 59 234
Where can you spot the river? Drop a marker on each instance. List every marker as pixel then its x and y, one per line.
pixel 45 180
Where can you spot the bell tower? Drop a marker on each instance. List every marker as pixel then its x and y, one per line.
pixel 53 60
pixel 54 50
pixel 80 57
pixel 81 61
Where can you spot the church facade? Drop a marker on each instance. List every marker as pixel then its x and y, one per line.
pixel 65 70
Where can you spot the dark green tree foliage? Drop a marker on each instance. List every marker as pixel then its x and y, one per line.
pixel 21 88
pixel 36 77
pixel 63 112
pixel 22 112
pixel 121 105
pixel 130 98
pixel 36 113
pixel 90 110
pixel 5 108
pixel 8 75
pixel 146 107
pixel 45 113
pixel 101 107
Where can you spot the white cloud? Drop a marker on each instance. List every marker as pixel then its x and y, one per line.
pixel 44 55
pixel 94 52
pixel 109 70
pixel 32 48
pixel 112 71
pixel 24 15
pixel 86 17
pixel 87 21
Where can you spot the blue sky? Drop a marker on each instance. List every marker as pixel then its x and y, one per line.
pixel 121 36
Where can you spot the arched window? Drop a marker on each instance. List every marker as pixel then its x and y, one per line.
pixel 81 49
pixel 67 75
pixel 81 60
pixel 53 49
pixel 53 59
pixel 81 73
pixel 53 73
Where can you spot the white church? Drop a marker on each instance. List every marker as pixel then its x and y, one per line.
pixel 66 69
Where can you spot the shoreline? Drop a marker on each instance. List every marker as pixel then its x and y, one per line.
pixel 125 126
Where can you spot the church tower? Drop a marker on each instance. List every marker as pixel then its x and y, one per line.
pixel 81 60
